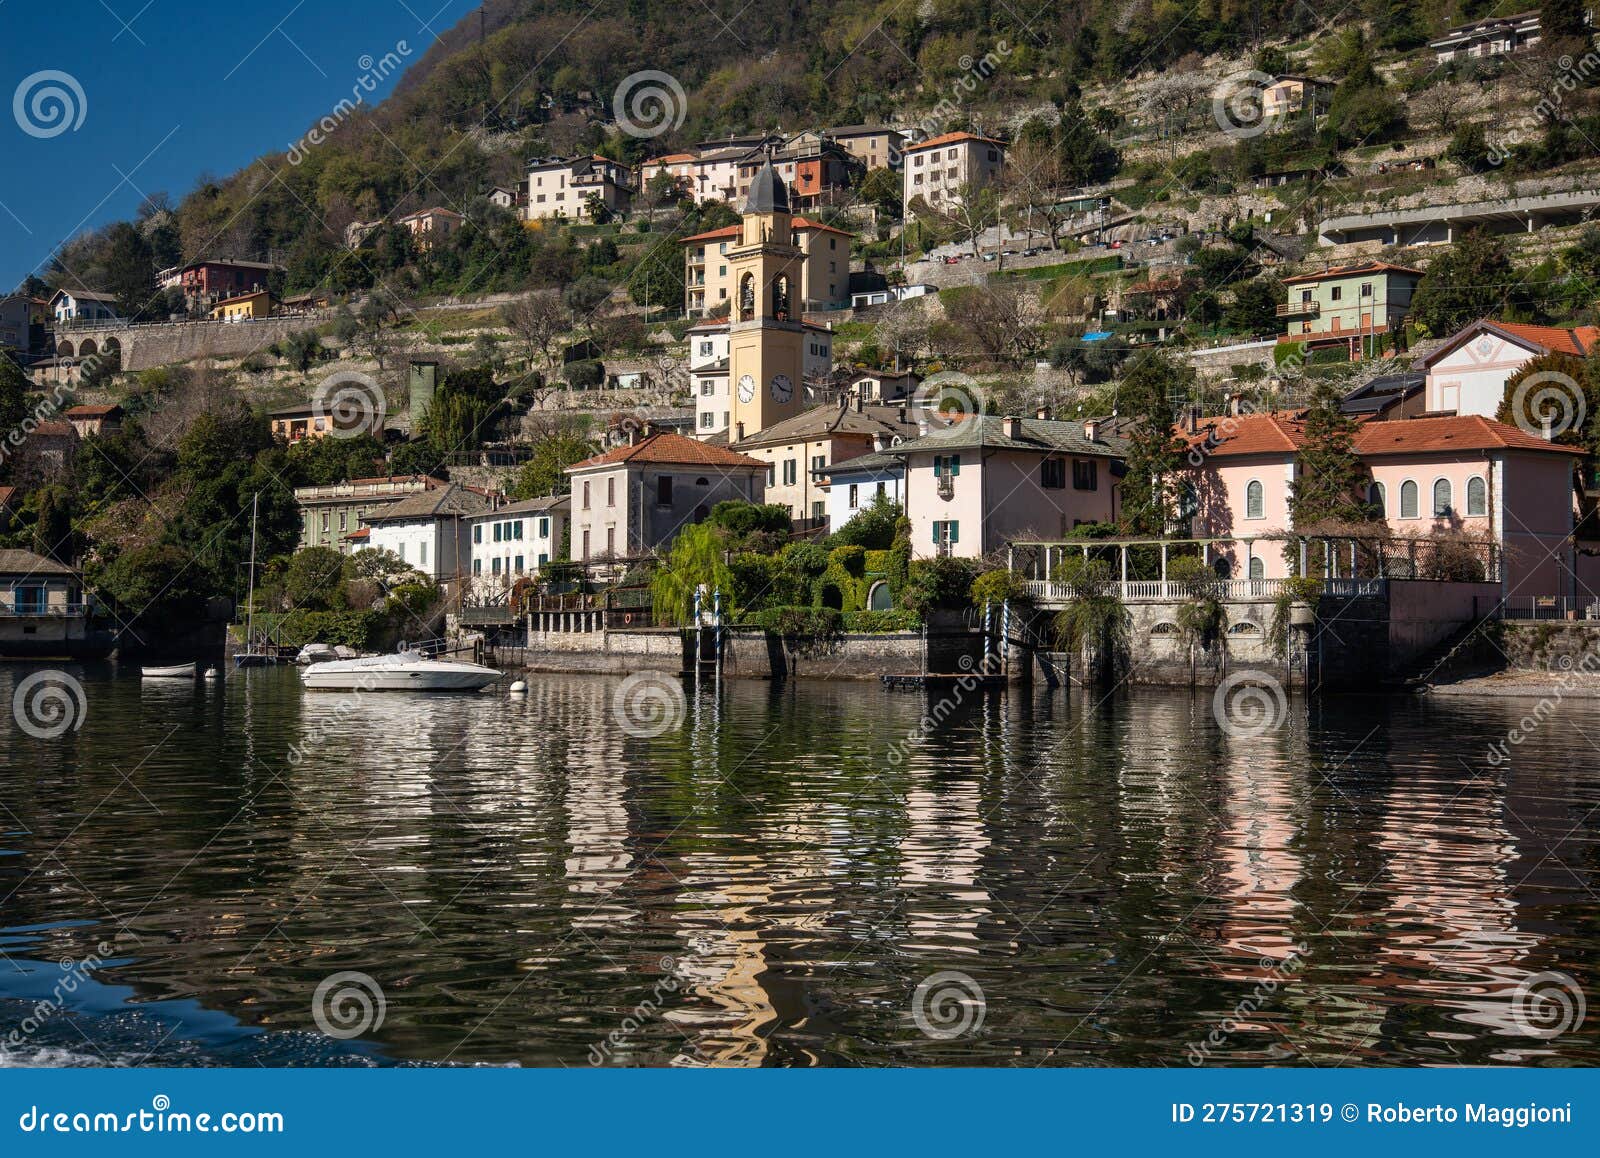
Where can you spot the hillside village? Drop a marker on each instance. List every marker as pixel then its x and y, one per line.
pixel 1324 313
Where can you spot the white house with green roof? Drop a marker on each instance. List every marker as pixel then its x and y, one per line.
pixel 976 484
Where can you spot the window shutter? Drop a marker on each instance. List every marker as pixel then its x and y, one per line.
pixel 937 527
pixel 955 531
pixel 955 464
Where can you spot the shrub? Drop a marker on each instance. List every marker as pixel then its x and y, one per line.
pixel 875 622
pixel 1001 586
pixel 850 559
pixel 939 584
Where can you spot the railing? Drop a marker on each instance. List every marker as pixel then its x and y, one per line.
pixel 44 610
pixel 1299 310
pixel 1231 590
pixel 947 487
pixel 1551 607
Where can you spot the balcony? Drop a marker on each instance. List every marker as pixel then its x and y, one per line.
pixel 946 487
pixel 1300 310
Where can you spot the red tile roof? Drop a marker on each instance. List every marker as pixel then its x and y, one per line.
pixel 91 411
pixel 1578 341
pixel 1282 433
pixel 807 223
pixel 670 448
pixel 950 139
pixel 725 231
pixel 1353 271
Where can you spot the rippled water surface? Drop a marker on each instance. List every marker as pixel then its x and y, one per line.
pixel 1117 882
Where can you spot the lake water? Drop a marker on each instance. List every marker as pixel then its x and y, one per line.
pixel 811 874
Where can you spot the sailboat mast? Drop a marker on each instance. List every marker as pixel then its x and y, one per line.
pixel 250 599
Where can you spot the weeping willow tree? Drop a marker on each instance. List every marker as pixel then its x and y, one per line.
pixel 1095 621
pixel 698 558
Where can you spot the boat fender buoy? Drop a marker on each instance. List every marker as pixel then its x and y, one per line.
pixel 519 688
pixel 627 618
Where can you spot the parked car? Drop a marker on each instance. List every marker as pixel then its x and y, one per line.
pixel 988 257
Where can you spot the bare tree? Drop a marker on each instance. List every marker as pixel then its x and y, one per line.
pixel 1438 106
pixel 1005 322
pixel 539 321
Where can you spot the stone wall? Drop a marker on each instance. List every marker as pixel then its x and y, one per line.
pixel 1552 646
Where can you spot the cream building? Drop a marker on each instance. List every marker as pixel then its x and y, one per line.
pixel 824 269
pixel 561 187
pixel 708 372
pixel 936 169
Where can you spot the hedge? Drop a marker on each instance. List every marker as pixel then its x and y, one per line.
pixel 878 622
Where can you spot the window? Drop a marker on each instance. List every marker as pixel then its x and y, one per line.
pixel 498 530
pixel 586 542
pixel 1408 500
pixel 946 531
pixel 1441 498
pixel 706 420
pixel 586 505
pixel 494 566
pixel 1258 568
pixel 819 462
pixel 543 558
pixel 883 488
pixel 855 496
pixel 422 552
pixel 324 520
pixel 611 540
pixel 1085 475
pixel 1477 497
pixel 343 524
pixel 707 388
pixel 516 529
pixel 477 566
pixel 1366 289
pixel 791 471
pixel 519 564
pixel 1255 505
pixel 1053 474
pixel 402 552
pixel 772 473
pixel 946 464
pixel 1336 293
pixel 477 533
pixel 544 528
pixel 611 492
pixel 819 509
pixel 664 491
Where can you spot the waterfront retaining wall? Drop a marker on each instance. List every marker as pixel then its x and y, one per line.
pixel 1549 646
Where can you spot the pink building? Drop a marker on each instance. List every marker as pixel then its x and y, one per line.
pixel 1431 476
pixel 1468 373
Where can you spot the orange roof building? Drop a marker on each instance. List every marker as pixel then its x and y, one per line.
pixel 635 499
pixel 1468 373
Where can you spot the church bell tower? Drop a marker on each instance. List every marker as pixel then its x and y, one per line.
pixel 766 338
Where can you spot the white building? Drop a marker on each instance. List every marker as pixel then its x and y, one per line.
pixel 936 169
pixel 431 531
pixel 517 541
pixel 561 187
pixel 708 371
pixel 83 306
pixel 1468 374
pixel 855 484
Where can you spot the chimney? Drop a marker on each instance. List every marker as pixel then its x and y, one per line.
pixel 738 432
pixel 861 403
pixel 1194 420
pixel 1091 429
pixel 880 441
pixel 902 413
pixel 1042 414
pixel 633 435
pixel 1012 426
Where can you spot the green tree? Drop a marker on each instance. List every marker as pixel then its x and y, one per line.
pixel 871 527
pixel 545 472
pixel 698 558
pixel 1472 279
pixel 1255 306
pixel 1559 18
pixel 1151 390
pixel 883 189
pixel 313 580
pixel 130 271
pixel 1330 483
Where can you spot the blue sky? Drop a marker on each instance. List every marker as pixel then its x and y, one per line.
pixel 170 89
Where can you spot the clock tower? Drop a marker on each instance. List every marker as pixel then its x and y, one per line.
pixel 766 338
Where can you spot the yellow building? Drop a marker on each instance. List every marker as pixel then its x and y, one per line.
pixel 824 270
pixel 244 308
pixel 766 337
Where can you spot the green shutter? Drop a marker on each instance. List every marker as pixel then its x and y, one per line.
pixel 955 465
pixel 955 531
pixel 936 527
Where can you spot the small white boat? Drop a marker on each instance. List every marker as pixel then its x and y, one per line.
pixel 177 671
pixel 317 653
pixel 406 671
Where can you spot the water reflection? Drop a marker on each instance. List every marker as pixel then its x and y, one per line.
pixel 768 884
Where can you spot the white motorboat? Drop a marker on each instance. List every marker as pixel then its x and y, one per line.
pixel 177 671
pixel 406 671
pixel 317 653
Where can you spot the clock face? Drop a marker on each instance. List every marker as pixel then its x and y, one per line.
pixel 747 388
pixel 782 388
